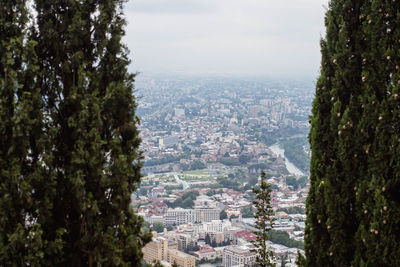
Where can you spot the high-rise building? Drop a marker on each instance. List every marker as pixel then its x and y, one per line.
pixel 157 249
pixel 183 240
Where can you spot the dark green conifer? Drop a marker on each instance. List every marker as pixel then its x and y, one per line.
pixel 264 222
pixel 351 206
pixel 20 142
pixel 89 159
pixel 329 232
pixel 378 201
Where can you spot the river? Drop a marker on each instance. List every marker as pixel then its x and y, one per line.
pixel 184 184
pixel 289 166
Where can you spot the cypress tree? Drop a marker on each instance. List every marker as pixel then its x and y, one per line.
pixel 91 158
pixel 377 194
pixel 69 157
pixel 329 232
pixel 21 140
pixel 264 222
pixel 352 208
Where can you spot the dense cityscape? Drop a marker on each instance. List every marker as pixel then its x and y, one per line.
pixel 104 162
pixel 205 142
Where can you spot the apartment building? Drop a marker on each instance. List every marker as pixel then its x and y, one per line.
pixel 182 259
pixel 238 256
pixel 180 216
pixel 162 249
pixel 157 249
pixel 207 214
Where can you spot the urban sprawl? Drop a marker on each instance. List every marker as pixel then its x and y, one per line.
pixel 205 142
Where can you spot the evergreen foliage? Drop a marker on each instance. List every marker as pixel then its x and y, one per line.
pixel 158 227
pixel 207 239
pixel 264 222
pixel 69 155
pixel 296 182
pixel 186 201
pixel 223 215
pixel 247 212
pixel 21 140
pixel 283 238
pixel 353 210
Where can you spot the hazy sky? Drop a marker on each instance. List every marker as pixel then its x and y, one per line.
pixel 239 37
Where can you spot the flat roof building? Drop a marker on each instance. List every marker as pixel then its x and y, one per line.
pixel 182 259
pixel 238 256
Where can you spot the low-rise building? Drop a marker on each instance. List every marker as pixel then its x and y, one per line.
pixel 180 216
pixel 154 218
pixel 164 250
pixel 157 192
pixel 217 225
pixel 182 259
pixel 217 237
pixel 229 233
pixel 205 254
pixel 161 207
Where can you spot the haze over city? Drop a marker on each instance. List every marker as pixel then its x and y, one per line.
pixel 226 37
pixel 199 133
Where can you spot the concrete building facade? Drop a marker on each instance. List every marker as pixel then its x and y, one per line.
pixel 180 216
pixel 238 256
pixel 182 259
pixel 157 249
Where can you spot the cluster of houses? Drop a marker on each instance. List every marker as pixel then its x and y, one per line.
pixel 201 236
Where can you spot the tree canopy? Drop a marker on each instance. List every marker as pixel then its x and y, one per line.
pixel 353 205
pixel 69 152
pixel 264 222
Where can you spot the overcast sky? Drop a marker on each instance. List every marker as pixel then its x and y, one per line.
pixel 226 37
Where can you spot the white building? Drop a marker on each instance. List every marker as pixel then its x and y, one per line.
pixel 229 232
pixel 157 192
pixel 217 225
pixel 168 141
pixel 207 208
pixel 154 218
pixel 238 256
pixel 180 216
pixel 179 112
pixel 207 253
pixel 208 214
